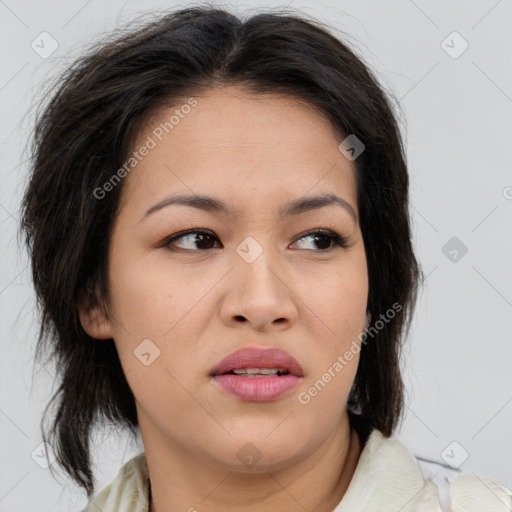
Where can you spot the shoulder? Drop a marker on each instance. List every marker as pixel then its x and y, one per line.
pixel 388 477
pixel 128 490
pixel 459 491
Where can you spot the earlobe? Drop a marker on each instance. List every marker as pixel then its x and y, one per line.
pixel 93 319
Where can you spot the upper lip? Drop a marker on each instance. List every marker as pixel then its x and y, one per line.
pixel 259 358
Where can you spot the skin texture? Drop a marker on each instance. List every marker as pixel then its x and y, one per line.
pixel 198 305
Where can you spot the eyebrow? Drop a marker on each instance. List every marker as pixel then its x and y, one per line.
pixel 214 205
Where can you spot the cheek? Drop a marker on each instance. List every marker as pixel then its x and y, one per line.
pixel 322 400
pixel 338 298
pixel 339 305
pixel 150 299
pixel 162 312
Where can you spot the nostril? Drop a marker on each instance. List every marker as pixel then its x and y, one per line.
pixel 241 318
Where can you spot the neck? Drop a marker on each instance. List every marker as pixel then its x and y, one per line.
pixel 317 482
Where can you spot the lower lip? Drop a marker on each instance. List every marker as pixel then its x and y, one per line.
pixel 257 389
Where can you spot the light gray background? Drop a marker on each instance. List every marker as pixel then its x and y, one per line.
pixel 458 114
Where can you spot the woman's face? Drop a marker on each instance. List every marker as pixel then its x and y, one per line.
pixel 255 278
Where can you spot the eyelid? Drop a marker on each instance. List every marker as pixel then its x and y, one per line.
pixel 168 240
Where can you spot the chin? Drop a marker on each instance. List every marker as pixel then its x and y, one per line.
pixel 249 459
pixel 262 452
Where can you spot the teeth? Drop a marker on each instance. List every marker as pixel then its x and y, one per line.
pixel 256 371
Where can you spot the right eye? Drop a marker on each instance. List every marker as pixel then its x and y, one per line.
pixel 202 239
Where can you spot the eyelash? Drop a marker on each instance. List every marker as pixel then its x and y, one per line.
pixel 334 237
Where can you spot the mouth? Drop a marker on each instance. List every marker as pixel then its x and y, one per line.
pixel 256 362
pixel 257 375
pixel 251 373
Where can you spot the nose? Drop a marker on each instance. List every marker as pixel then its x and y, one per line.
pixel 259 296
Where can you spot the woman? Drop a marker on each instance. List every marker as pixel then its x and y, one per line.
pixel 218 222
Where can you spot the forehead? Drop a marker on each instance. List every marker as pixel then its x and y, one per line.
pixel 238 142
pixel 232 105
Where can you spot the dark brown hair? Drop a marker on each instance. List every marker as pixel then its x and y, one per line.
pixel 85 132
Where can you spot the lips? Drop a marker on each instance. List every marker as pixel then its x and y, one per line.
pixel 257 375
pixel 259 358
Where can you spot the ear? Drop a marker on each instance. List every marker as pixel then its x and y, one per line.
pixel 93 317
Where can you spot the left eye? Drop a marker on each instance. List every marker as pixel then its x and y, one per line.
pixel 325 239
pixel 205 240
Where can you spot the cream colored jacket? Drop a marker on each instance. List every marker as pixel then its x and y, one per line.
pixel 387 478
